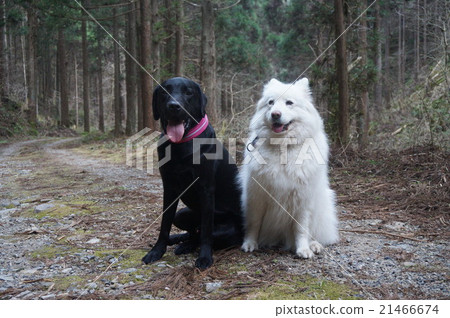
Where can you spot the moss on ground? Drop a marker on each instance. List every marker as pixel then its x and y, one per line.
pixel 63 283
pixel 61 209
pixel 309 288
pixel 52 251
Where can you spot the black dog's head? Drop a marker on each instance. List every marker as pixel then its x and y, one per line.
pixel 180 104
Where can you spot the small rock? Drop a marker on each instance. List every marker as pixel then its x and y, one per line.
pixel 6 211
pixel 43 207
pixel 397 226
pixel 409 264
pixel 9 203
pixel 30 271
pixel 94 240
pixel 374 222
pixel 67 270
pixel 129 270
pixel 49 296
pixel 23 294
pixel 6 278
pixel 210 287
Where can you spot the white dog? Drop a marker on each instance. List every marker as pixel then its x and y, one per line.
pixel 286 195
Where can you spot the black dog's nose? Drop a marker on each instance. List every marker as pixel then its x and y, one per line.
pixel 174 105
pixel 276 115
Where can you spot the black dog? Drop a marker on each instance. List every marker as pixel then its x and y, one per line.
pixel 208 187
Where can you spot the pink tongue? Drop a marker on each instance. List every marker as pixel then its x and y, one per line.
pixel 277 128
pixel 175 132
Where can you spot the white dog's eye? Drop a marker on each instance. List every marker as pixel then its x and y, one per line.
pixel 289 102
pixel 271 102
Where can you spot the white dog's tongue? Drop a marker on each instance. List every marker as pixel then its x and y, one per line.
pixel 277 128
pixel 175 131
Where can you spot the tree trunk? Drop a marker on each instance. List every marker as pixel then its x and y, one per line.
pixel 387 64
pixel 62 71
pixel 342 74
pixel 101 116
pixel 25 69
pixel 403 57
pixel 130 128
pixel 179 39
pixel 156 42
pixel 208 58
pixel 425 31
pixel 169 48
pixel 117 102
pixel 2 59
pixel 76 92
pixel 417 42
pixel 85 57
pixel 140 113
pixel 378 61
pixel 363 116
pixel 31 69
pixel 399 53
pixel 146 80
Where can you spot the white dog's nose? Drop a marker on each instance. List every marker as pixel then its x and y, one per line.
pixel 276 115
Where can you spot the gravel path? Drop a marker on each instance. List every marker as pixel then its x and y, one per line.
pixel 73 226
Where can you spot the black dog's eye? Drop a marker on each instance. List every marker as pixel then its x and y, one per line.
pixel 189 92
pixel 289 102
pixel 271 102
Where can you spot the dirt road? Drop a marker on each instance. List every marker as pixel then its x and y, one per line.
pixel 75 222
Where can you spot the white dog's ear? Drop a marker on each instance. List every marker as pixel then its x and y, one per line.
pixel 273 81
pixel 304 82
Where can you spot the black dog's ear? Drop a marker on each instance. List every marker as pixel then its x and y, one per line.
pixel 203 101
pixel 155 102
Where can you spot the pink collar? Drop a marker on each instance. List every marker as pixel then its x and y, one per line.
pixel 196 131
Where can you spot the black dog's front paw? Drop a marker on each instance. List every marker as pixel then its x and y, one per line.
pixel 153 256
pixel 203 262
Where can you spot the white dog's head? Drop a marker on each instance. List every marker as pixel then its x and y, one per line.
pixel 286 110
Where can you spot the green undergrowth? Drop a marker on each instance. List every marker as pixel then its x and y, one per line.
pixel 103 146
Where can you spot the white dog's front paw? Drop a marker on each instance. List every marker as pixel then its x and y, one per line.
pixel 249 245
pixel 305 252
pixel 316 247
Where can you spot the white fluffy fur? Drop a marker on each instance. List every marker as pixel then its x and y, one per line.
pixel 293 204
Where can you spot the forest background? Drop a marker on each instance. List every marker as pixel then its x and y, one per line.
pixel 76 80
pixel 92 65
